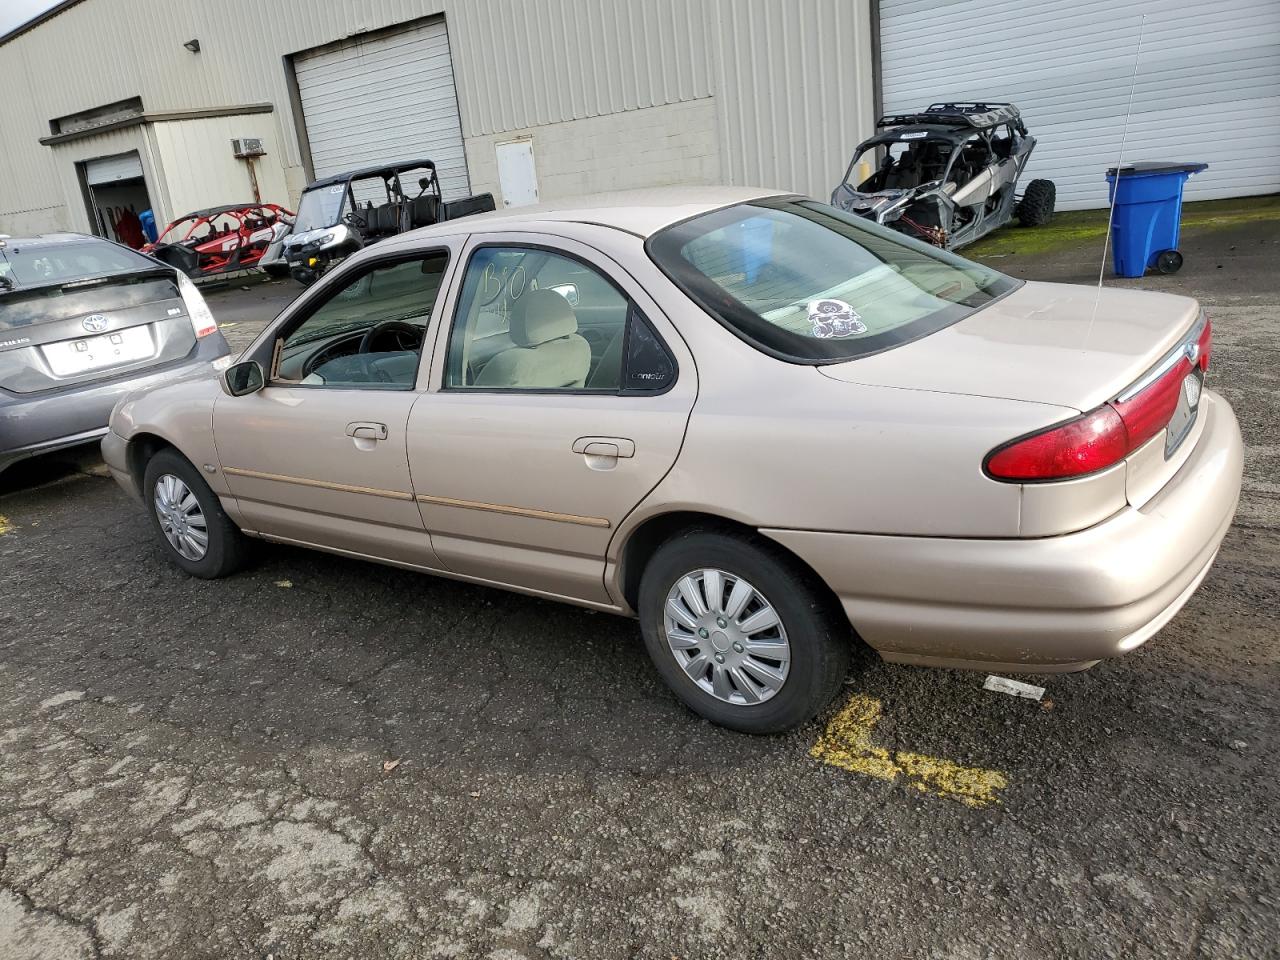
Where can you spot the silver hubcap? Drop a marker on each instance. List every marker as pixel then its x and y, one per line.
pixel 727 637
pixel 181 518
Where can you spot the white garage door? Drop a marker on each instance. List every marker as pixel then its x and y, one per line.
pixel 1208 82
pixel 373 101
pixel 124 166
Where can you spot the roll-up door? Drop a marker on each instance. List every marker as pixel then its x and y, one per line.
pixel 1207 89
pixel 382 99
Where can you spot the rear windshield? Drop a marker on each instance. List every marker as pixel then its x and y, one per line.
pixel 23 308
pixel 58 262
pixel 810 284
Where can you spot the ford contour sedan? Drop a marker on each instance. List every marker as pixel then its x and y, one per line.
pixel 766 428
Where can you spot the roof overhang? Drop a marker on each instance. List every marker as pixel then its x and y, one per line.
pixel 160 117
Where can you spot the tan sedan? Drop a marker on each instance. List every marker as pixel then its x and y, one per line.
pixel 762 426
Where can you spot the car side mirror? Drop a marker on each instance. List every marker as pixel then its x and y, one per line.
pixel 242 379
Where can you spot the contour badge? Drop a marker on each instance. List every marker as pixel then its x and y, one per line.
pixel 95 323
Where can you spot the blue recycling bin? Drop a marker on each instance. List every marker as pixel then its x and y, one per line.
pixel 148 220
pixel 1147 198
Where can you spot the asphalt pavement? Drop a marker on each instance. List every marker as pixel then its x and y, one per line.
pixel 322 758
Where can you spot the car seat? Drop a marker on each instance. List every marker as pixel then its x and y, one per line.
pixel 424 211
pixel 548 353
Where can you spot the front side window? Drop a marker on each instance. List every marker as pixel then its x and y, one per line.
pixel 810 284
pixel 369 333
pixel 530 319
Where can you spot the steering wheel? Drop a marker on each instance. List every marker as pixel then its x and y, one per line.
pixel 407 336
pixel 353 219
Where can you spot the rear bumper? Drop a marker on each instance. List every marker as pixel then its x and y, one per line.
pixel 1039 605
pixel 34 424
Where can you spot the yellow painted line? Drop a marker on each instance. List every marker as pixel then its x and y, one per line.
pixel 847 744
pixel 5 525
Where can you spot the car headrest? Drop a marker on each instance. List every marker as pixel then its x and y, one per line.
pixel 540 316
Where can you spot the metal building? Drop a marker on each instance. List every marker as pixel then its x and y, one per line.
pixel 133 104
pixel 1207 84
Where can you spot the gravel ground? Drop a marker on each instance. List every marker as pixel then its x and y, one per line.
pixel 325 758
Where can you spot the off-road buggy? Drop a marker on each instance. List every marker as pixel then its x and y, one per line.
pixel 946 175
pixel 222 239
pixel 348 211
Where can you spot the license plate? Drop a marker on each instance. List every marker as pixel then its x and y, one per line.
pixel 69 357
pixel 1184 414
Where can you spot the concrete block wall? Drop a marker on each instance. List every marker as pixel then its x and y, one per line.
pixel 649 147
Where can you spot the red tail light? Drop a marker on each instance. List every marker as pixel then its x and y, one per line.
pixel 1104 436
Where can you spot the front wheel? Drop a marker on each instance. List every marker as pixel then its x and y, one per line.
pixel 741 633
pixel 196 533
pixel 1035 209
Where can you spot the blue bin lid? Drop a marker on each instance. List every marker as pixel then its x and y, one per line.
pixel 1149 168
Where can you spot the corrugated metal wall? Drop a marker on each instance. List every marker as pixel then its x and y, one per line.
pixel 1208 83
pixel 790 78
pixel 535 62
pixel 794 85
pixel 196 177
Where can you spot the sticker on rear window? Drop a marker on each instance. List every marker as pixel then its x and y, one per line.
pixel 834 318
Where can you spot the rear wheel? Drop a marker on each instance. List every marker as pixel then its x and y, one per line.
pixel 195 531
pixel 1035 209
pixel 741 633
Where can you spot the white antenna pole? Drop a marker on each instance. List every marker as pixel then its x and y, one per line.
pixel 1111 210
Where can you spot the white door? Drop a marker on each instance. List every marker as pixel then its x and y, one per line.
pixel 373 101
pixel 517 176
pixel 1207 89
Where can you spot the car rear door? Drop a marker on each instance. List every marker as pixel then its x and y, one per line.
pixel 525 483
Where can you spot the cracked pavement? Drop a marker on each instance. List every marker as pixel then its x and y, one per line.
pixel 195 769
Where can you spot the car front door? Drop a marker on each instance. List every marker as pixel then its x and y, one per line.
pixel 319 455
pixel 560 396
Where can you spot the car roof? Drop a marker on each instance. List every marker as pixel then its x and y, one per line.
pixel 639 212
pixel 381 169
pixel 47 239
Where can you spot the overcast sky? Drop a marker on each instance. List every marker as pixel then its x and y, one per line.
pixel 13 13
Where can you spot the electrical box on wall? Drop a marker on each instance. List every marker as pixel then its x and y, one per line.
pixel 247 147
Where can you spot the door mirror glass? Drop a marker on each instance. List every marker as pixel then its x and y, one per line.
pixel 241 379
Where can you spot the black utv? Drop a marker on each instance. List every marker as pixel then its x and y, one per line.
pixel 348 211
pixel 946 175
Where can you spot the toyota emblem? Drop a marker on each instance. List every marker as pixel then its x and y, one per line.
pixel 95 323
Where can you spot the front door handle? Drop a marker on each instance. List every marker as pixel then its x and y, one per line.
pixel 367 430
pixel 605 446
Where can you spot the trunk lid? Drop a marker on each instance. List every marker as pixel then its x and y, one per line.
pixel 80 331
pixel 1041 343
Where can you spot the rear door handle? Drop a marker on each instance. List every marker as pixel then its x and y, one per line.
pixel 367 430
pixel 605 446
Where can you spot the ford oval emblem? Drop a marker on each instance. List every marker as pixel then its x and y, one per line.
pixel 95 323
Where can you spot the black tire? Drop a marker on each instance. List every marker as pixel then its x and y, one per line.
pixel 1035 209
pixel 816 630
pixel 227 548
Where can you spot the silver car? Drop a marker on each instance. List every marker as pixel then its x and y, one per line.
pixel 82 322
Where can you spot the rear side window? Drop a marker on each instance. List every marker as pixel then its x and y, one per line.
pixel 57 263
pixel 807 283
pixel 534 320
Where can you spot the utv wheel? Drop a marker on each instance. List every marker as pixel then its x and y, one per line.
pixel 195 532
pixel 1035 209
pixel 740 633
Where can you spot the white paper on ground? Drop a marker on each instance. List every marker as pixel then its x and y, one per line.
pixel 1015 688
